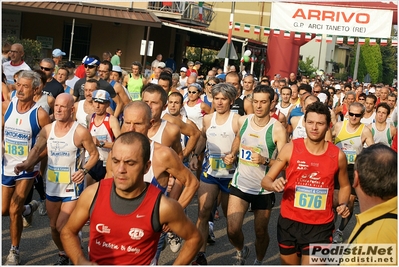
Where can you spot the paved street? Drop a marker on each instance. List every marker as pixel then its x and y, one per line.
pixel 37 248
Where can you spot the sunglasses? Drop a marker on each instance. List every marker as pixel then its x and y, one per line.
pixel 46 69
pixel 354 114
pixel 89 66
pixel 192 92
pixel 361 99
pixel 211 84
pixel 316 92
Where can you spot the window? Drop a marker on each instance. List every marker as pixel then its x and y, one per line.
pixel 81 40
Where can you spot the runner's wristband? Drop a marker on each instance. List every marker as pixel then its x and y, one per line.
pixel 85 171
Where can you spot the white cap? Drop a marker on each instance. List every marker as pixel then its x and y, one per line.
pixel 57 53
pixel 161 65
pixel 372 90
pixel 322 97
pixel 116 68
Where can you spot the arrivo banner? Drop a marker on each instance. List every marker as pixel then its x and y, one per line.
pixel 341 21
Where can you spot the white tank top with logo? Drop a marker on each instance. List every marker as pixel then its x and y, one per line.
pixel 63 161
pixel 219 141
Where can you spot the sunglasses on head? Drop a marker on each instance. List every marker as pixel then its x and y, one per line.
pixel 192 92
pixel 354 114
pixel 89 66
pixel 46 69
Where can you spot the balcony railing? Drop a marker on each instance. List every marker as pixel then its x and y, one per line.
pixel 191 13
pixel 174 7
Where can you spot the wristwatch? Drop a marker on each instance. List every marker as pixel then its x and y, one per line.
pixel 85 171
pixel 102 143
pixel 267 162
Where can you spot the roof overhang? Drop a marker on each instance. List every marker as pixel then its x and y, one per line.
pixel 84 10
pixel 200 30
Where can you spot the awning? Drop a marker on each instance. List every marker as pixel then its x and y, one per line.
pixel 201 30
pixel 84 10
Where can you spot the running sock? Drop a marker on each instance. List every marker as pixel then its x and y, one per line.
pixel 27 211
pixel 16 248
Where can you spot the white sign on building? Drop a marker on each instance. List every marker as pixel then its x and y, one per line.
pixel 341 21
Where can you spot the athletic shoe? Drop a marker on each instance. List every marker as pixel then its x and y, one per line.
pixel 33 207
pixel 13 258
pixel 338 237
pixel 200 260
pixel 62 260
pixel 256 262
pixel 42 208
pixel 241 256
pixel 211 236
pixel 174 242
pixel 25 222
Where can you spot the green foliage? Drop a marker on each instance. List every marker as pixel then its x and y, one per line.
pixel 389 64
pixel 306 67
pixel 341 76
pixel 32 49
pixel 372 60
pixel 378 61
pixel 207 55
pixel 362 70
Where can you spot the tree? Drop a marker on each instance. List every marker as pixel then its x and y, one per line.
pixel 389 64
pixel 306 67
pixel 32 49
pixel 370 62
pixel 373 60
pixel 377 61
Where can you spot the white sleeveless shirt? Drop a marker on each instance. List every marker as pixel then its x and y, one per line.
pixel 218 144
pixel 63 158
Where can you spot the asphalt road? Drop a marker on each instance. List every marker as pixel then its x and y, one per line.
pixel 37 247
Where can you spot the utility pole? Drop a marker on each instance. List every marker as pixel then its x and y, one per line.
pixel 356 61
pixel 226 59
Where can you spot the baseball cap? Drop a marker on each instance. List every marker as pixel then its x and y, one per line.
pixel 183 69
pixel 372 90
pixel 57 52
pixel 197 63
pixel 116 68
pixel 161 65
pixel 190 63
pixel 337 87
pixel 101 96
pixel 91 61
pixel 69 64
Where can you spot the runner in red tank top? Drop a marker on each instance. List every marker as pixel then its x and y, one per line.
pixel 306 208
pixel 127 214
